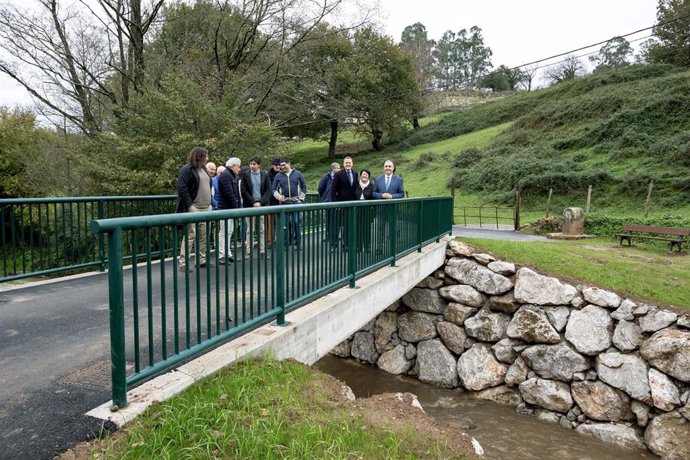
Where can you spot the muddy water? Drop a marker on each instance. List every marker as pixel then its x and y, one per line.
pixel 502 433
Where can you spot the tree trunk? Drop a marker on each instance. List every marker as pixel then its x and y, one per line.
pixel 415 123
pixel 333 139
pixel 376 142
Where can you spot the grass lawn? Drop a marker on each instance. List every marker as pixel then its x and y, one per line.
pixel 268 409
pixel 643 273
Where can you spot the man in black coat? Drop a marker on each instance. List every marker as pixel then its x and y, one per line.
pixel 256 192
pixel 228 198
pixel 345 183
pixel 194 195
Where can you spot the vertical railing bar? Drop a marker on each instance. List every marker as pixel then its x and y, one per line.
pixel 197 273
pixel 22 237
pixel 13 239
pixel 280 267
pixel 209 294
pixel 394 233
pixel 135 307
pixel 352 244
pixel 176 293
pixel 117 320
pixel 101 237
pixel 149 295
pixel 164 323
pixel 188 304
pixel 31 236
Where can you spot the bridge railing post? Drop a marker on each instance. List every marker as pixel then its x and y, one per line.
pixel 352 244
pixel 117 319
pixel 280 267
pixel 420 222
pixel 101 236
pixel 394 232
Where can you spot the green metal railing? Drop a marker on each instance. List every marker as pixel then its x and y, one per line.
pixel 44 236
pixel 49 236
pixel 161 316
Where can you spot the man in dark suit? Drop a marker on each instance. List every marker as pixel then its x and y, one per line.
pixel 256 192
pixel 386 187
pixel 229 197
pixel 344 188
pixel 325 190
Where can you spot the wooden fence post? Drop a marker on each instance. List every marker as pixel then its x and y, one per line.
pixel 516 218
pixel 649 198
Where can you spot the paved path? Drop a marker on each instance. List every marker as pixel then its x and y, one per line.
pixel 502 233
pixel 55 359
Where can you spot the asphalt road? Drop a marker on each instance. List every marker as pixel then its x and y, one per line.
pixel 55 357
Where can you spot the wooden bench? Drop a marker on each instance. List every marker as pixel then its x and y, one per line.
pixel 675 236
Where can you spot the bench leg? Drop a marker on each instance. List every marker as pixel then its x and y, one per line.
pixel 626 238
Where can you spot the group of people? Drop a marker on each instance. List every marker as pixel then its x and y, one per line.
pixel 345 184
pixel 201 186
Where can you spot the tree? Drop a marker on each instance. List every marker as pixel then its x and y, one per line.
pixel 568 69
pixel 613 54
pixel 65 58
pixel 503 79
pixel 379 80
pixel 671 31
pixel 529 73
pixel 462 59
pixel 415 42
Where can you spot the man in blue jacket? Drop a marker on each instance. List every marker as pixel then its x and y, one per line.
pixel 228 198
pixel 290 188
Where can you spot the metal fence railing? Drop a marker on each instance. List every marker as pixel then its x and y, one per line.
pixel 486 216
pixel 50 236
pixel 165 310
pixel 43 236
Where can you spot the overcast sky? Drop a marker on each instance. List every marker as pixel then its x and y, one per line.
pixel 523 31
pixel 517 32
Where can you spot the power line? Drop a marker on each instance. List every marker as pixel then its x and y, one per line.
pixel 601 43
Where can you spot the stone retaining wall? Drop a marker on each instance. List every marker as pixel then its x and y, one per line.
pixel 580 356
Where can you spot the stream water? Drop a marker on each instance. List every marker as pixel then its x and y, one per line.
pixel 499 429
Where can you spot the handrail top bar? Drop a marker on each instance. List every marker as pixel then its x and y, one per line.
pixel 129 223
pixel 83 199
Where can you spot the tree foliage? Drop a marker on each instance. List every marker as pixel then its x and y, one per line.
pixel 673 40
pixel 462 58
pixel 615 53
pixel 570 68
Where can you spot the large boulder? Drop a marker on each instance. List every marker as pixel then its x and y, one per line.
pixel 503 395
pixel 558 362
pixel 625 372
pixel 453 336
pixel 478 368
pixel 665 394
pixel 531 324
pixel 625 311
pixel 384 327
pixel 436 364
pixel 476 275
pixel 600 401
pixel 505 303
pixel 394 361
pixel 430 282
pixel 614 434
pixel 463 294
pixel 342 349
pixel 548 394
pixel 601 297
pixel 424 300
pixel 627 336
pixel 457 314
pixel 533 288
pixel 558 317
pixel 668 436
pixel 517 373
pixel 415 326
pixel 589 330
pixel 504 350
pixel 458 248
pixel 363 347
pixel 486 326
pixel 669 351
pixel 657 319
pixel 502 268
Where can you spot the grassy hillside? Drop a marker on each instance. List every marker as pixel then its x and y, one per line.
pixel 615 131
